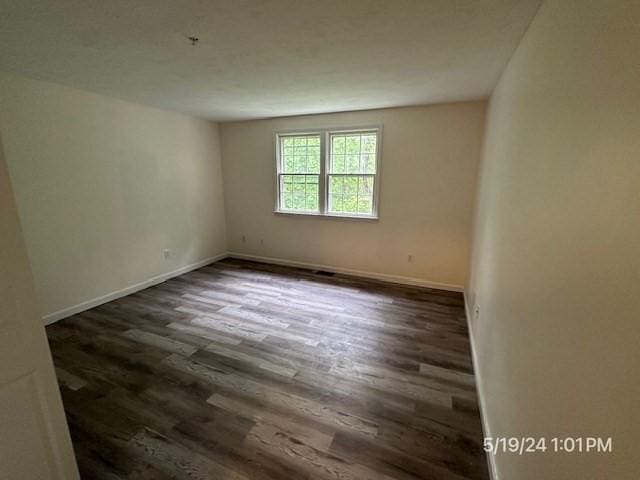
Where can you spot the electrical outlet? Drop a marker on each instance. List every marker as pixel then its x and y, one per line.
pixel 244 239
pixel 476 312
pixel 167 253
pixel 410 257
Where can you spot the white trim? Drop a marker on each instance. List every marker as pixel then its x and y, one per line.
pixel 299 213
pixel 491 459
pixel 94 302
pixel 416 282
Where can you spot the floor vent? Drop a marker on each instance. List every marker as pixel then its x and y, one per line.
pixel 325 273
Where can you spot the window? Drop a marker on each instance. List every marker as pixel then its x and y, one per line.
pixel 329 172
pixel 299 177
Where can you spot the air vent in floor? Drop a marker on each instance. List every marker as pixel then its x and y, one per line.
pixel 325 273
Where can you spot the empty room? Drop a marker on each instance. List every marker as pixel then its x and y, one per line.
pixel 320 240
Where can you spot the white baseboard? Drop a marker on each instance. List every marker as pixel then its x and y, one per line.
pixel 416 282
pixel 491 459
pixel 94 302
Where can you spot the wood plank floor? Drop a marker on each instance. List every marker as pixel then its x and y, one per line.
pixel 242 370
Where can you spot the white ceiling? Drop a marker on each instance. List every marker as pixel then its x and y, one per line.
pixel 266 58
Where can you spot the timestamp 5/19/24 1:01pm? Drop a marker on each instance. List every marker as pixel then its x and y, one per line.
pixel 523 445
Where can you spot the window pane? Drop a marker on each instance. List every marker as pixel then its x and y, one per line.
pixel 313 161
pixel 369 143
pixel 299 192
pixel 299 200
pixel 351 185
pixel 365 195
pixel 353 144
pixel 352 164
pixel 300 154
pixel 300 164
pixel 312 201
pixel 353 153
pixel 337 145
pixel 289 163
pixel 338 164
pixel 336 203
pixel 288 201
pixel 351 194
pixel 312 184
pixel 350 204
pixel 336 185
pixel 365 206
pixel 368 163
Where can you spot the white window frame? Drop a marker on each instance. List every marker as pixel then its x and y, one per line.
pixel 323 184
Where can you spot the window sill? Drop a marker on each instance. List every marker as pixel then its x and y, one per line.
pixel 370 218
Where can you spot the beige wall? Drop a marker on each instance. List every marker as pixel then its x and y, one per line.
pixel 556 262
pixel 429 164
pixel 104 186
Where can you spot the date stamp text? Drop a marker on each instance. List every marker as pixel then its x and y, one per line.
pixel 525 445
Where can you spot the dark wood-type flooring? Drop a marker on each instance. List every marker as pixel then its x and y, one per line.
pixel 242 370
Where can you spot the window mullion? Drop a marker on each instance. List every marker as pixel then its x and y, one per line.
pixel 324 168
